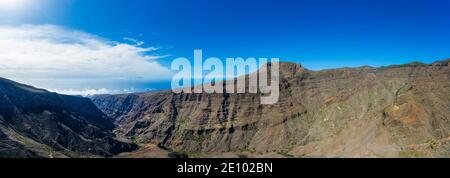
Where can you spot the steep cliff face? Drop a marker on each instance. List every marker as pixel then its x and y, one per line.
pixel 37 123
pixel 352 112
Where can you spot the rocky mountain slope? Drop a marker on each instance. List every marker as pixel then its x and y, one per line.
pixel 37 123
pixel 396 111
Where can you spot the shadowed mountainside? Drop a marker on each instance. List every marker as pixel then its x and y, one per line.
pixel 37 123
pixel 396 111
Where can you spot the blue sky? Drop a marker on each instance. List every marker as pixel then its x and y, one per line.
pixel 319 34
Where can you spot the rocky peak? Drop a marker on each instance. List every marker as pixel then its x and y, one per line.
pixel 288 69
pixel 342 112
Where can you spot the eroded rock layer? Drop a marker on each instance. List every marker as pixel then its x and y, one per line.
pixel 396 111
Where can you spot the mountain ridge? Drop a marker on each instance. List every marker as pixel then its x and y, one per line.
pixel 391 111
pixel 349 112
pixel 38 123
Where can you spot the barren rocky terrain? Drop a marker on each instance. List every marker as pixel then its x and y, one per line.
pixel 395 111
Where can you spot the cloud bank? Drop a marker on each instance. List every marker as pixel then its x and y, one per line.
pixel 85 92
pixel 49 53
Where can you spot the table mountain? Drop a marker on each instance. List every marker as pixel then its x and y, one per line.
pixel 395 111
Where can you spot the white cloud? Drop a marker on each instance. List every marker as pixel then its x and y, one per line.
pixel 48 52
pixel 85 92
pixel 135 41
pixel 93 91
